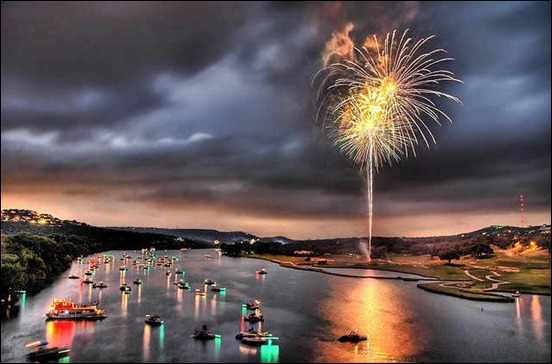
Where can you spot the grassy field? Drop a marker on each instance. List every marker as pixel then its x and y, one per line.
pixel 468 278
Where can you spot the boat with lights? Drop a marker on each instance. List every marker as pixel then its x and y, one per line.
pixel 204 334
pixel 258 340
pixel 43 353
pixel 154 320
pixel 67 310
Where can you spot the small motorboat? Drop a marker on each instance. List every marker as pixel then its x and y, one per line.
pixel 199 293
pixel 99 285
pixel 216 288
pixel 137 281
pixel 183 285
pixel 73 276
pixel 43 353
pixel 261 271
pixel 352 337
pixel 209 282
pixel 257 340
pixel 252 333
pixel 88 273
pixel 87 280
pixel 515 295
pixel 125 287
pixel 204 334
pixel 154 320
pixel 122 268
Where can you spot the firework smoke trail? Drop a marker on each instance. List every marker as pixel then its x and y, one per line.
pixel 375 102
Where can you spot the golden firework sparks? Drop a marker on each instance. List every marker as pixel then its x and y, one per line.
pixel 377 101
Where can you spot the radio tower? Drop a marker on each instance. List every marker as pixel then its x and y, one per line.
pixel 521 209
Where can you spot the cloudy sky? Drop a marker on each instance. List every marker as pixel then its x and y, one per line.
pixel 202 115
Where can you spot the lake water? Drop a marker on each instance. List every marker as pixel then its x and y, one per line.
pixel 306 310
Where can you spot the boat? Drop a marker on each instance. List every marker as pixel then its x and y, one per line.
pixel 178 271
pixel 87 280
pixel 515 295
pixel 154 320
pixel 257 340
pixel 253 305
pixel 137 281
pixel 352 337
pixel 67 310
pixel 73 276
pixel 252 333
pixel 43 353
pixel 125 287
pixel 99 285
pixel 204 334
pixel 209 282
pixel 168 272
pixel 122 268
pixel 88 273
pixel 199 293
pixel 207 256
pixel 183 285
pixel 261 271
pixel 216 288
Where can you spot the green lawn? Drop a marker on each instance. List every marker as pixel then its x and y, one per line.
pixel 525 273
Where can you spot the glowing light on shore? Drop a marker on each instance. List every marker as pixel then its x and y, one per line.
pixel 374 102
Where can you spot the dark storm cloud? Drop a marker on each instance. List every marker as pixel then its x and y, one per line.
pixel 76 65
pixel 104 43
pixel 211 104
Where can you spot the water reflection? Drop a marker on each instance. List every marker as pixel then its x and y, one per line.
pixel 81 287
pixel 518 314
pixel 270 353
pixel 124 304
pixel 140 292
pixel 162 343
pixel 199 306
pixel 60 333
pixel 146 343
pixel 379 312
pixel 217 347
pixel 247 350
pixel 23 300
pixel 538 324
pixel 214 305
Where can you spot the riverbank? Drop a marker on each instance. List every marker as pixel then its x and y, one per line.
pixel 472 279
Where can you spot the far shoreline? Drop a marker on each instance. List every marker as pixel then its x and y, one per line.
pixel 437 284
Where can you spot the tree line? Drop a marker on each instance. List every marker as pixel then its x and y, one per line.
pixel 32 261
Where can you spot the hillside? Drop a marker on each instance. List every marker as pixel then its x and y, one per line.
pixel 104 238
pixel 205 235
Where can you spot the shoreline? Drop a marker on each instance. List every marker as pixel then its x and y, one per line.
pixel 440 287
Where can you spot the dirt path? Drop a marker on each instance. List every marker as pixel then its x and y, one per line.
pixel 489 277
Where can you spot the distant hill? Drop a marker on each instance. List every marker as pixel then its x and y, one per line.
pixel 14 220
pixel 205 235
pixel 276 239
pixel 105 238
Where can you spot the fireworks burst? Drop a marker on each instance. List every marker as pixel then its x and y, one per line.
pixel 376 100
